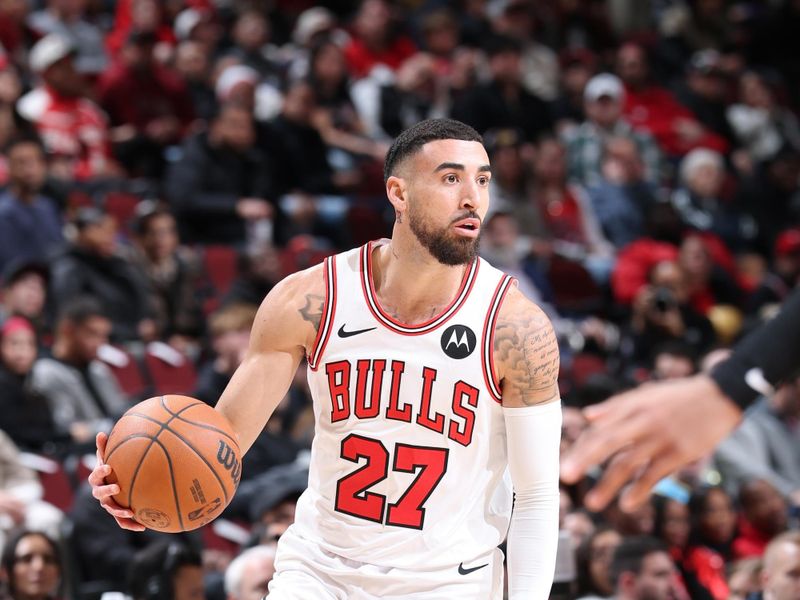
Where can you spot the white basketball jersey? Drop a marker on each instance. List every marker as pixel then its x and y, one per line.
pixel 409 454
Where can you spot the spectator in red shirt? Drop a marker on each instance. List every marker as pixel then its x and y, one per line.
pixel 713 526
pixel 73 128
pixel 375 41
pixel 654 108
pixel 149 106
pixel 765 514
pixel 16 36
pixel 138 15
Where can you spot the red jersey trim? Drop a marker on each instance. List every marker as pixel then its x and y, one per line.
pixel 388 321
pixel 328 312
pixel 487 358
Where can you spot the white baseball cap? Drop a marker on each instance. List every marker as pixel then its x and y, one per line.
pixel 312 21
pixel 48 51
pixel 232 76
pixel 187 20
pixel 604 84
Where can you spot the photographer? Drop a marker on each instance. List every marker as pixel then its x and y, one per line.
pixel 662 313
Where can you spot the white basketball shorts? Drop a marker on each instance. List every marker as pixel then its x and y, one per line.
pixel 303 570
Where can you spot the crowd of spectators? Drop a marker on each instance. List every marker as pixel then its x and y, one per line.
pixel 164 163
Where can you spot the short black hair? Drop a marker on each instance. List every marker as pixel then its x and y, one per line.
pixel 81 309
pixel 630 554
pixel 501 44
pixel 675 347
pixel 416 136
pixel 23 139
pixel 146 212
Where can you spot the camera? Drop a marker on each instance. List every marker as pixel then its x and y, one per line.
pixel 663 299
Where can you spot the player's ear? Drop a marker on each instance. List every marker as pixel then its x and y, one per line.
pixel 396 192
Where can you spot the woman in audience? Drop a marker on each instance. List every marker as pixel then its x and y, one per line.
pixel 713 528
pixel 593 561
pixel 671 524
pixel 24 414
pixel 31 567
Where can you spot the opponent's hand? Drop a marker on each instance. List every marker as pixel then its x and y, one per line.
pixel 104 492
pixel 650 431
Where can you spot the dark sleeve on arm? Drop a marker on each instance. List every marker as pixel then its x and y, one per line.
pixel 769 355
pixel 184 187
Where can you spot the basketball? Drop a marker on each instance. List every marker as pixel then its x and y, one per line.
pixel 177 463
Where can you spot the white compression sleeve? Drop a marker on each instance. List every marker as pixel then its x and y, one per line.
pixel 534 435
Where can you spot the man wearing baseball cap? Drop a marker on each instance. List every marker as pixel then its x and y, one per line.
pixel 73 128
pixel 603 99
pixel 782 277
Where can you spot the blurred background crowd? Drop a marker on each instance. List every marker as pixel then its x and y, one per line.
pixel 164 163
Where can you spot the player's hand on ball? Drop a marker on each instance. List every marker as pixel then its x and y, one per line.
pixel 104 492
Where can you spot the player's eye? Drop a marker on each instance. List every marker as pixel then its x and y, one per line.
pixel 451 178
pixel 483 180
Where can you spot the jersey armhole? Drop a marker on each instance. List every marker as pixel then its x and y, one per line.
pixel 328 312
pixel 487 356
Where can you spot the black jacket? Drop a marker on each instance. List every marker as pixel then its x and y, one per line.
pixel 485 107
pixel 204 186
pixel 114 281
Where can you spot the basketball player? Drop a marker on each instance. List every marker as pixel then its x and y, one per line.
pixel 653 430
pixel 431 374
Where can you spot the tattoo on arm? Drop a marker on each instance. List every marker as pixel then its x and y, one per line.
pixel 312 310
pixel 528 348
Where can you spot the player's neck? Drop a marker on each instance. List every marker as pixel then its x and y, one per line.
pixel 410 283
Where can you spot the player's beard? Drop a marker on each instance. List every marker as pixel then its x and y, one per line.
pixel 445 246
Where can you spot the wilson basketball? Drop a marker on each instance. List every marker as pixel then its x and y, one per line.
pixel 176 461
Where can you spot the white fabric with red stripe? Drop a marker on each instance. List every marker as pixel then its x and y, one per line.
pixel 409 455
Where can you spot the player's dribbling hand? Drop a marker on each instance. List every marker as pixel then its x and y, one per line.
pixel 105 492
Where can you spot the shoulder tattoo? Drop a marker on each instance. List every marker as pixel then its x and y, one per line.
pixel 527 346
pixel 312 310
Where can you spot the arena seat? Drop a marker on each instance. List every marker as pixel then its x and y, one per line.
pixel 170 371
pixel 222 266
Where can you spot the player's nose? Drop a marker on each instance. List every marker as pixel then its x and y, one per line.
pixel 470 196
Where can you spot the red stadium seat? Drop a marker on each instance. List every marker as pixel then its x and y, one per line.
pixel 366 224
pixel 170 371
pixel 122 206
pixel 222 266
pixel 54 479
pixel 574 289
pixel 126 370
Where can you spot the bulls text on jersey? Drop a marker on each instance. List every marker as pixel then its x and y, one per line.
pixel 458 425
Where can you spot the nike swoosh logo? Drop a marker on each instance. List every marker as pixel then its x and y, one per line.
pixel 347 334
pixel 463 571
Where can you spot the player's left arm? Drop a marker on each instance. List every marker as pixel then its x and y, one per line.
pixel 526 360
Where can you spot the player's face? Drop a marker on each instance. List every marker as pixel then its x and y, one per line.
pixel 448 196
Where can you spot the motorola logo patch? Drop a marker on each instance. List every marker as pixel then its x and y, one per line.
pixel 458 341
